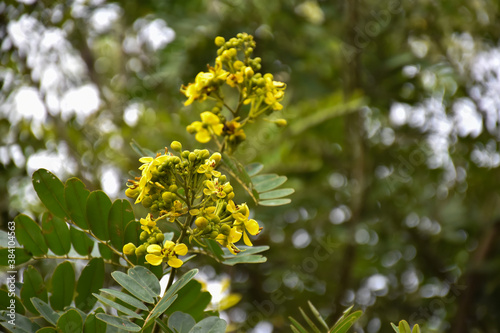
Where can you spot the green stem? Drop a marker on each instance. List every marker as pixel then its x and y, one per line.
pixel 170 278
pixel 76 258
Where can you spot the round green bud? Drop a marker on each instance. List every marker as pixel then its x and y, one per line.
pixel 249 71
pixel 141 250
pixel 159 238
pixel 144 235
pixel 204 154
pixel 185 153
pixel 192 156
pixel 154 208
pixel 219 41
pixel 173 188
pixel 214 234
pixel 166 196
pixel 201 222
pixel 176 146
pixel 147 202
pixel 230 196
pixel 176 159
pixel 222 179
pixel 225 230
pixel 280 122
pixel 215 219
pixel 191 129
pixel 152 240
pixel 238 64
pixel 227 188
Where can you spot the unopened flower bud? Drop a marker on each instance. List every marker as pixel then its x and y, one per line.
pixel 225 230
pixel 144 235
pixel 159 238
pixel 219 41
pixel 147 202
pixel 176 146
pixel 216 157
pixel 249 71
pixel 129 249
pixel 192 156
pixel 141 250
pixel 201 222
pixel 227 188
pixel 280 122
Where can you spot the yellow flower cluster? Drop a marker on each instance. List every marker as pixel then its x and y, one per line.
pixel 189 192
pixel 236 69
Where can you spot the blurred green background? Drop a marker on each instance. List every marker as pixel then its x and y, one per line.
pixel 392 145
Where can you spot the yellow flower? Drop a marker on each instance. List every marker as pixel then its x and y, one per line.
pixel 205 83
pixel 234 131
pixel 149 165
pixel 177 209
pixel 209 124
pixel 208 167
pixel 234 79
pixel 148 224
pixel 214 187
pixel 275 91
pixel 229 240
pixel 169 252
pixel 242 224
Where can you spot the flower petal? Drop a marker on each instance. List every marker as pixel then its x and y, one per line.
pixel 181 249
pixel 154 259
pixel 154 249
pixel 203 136
pixel 209 118
pixel 175 262
pixel 246 240
pixel 252 227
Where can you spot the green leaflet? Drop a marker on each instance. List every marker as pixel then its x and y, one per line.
pixel 81 242
pixel 144 293
pixel 70 322
pixel 94 325
pixel 119 322
pixel 29 234
pixel 210 325
pixel 33 286
pixel 21 256
pixel 76 196
pixel 120 215
pixel 90 281
pixel 45 310
pixel 97 208
pixel 181 322
pixel 50 190
pixel 63 286
pixel 125 298
pixel 56 234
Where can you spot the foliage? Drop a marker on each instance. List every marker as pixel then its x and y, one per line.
pixel 403 327
pixel 392 146
pixel 186 190
pixel 341 326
